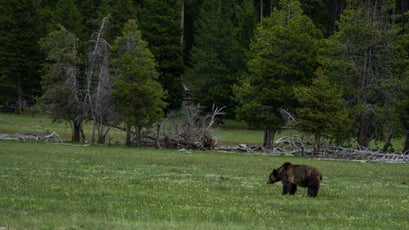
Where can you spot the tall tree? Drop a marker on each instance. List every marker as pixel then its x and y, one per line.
pixel 214 54
pixel 99 83
pixel 138 95
pixel 362 57
pixel 282 55
pixel 120 12
pixel 159 22
pixel 404 116
pixel 320 110
pixel 191 10
pixel 403 97
pixel 62 96
pixel 20 54
pixel 66 13
pixel 246 24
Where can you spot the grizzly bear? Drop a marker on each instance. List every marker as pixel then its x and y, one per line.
pixel 292 175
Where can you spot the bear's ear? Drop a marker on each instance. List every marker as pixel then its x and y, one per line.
pixel 286 165
pixel 275 172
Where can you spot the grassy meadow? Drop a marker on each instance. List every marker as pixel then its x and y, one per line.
pixel 69 186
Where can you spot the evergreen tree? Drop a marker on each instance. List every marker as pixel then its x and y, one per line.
pixel 160 24
pixel 89 10
pixel 60 83
pixel 20 54
pixel 246 23
pixel 120 12
pixel 363 58
pixel 67 14
pixel 403 106
pixel 191 10
pixel 282 55
pixel 320 110
pixel 214 56
pixel 139 96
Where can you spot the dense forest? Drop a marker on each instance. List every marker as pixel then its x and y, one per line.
pixel 330 68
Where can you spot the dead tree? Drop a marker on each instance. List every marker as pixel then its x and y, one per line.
pixel 99 84
pixel 207 141
pixel 187 128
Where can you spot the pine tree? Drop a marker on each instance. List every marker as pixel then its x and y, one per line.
pixel 320 110
pixel 61 82
pixel 282 56
pixel 20 54
pixel 139 96
pixel 67 14
pixel 214 57
pixel 159 22
pixel 120 12
pixel 362 58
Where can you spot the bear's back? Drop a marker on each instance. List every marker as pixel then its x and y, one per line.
pixel 303 175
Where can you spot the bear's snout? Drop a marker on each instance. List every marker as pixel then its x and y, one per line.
pixel 270 181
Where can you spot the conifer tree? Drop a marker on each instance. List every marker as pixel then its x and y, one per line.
pixel 62 97
pixel 321 112
pixel 20 53
pixel 214 56
pixel 120 12
pixel 139 96
pixel 282 56
pixel 67 14
pixel 159 22
pixel 363 58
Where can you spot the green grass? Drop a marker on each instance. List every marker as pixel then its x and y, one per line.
pixel 12 124
pixel 59 186
pixel 49 186
pixel 230 133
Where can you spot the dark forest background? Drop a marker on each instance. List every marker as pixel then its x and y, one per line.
pixel 338 61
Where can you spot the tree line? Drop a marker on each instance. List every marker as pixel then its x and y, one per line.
pixel 339 67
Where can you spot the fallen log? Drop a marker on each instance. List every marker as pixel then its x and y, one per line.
pixel 24 136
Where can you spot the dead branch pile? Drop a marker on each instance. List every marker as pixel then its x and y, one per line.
pixel 299 145
pixel 25 136
pixel 241 148
pixel 185 129
pixel 364 155
pixel 295 145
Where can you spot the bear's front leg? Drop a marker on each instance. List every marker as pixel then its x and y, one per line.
pixel 287 188
pixel 293 189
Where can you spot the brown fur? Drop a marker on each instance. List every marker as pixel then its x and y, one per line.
pixel 292 175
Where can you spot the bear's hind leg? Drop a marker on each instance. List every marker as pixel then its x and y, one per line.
pixel 313 191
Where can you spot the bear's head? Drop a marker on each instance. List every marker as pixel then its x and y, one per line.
pixel 273 177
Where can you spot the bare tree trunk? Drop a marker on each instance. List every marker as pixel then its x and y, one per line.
pixel 138 135
pixel 363 132
pixel 19 98
pixel 128 142
pixel 93 133
pixel 387 142
pixel 261 11
pixel 268 142
pixel 98 82
pixel 158 136
pixel 406 144
pixel 317 143
pixel 182 22
pixel 76 131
